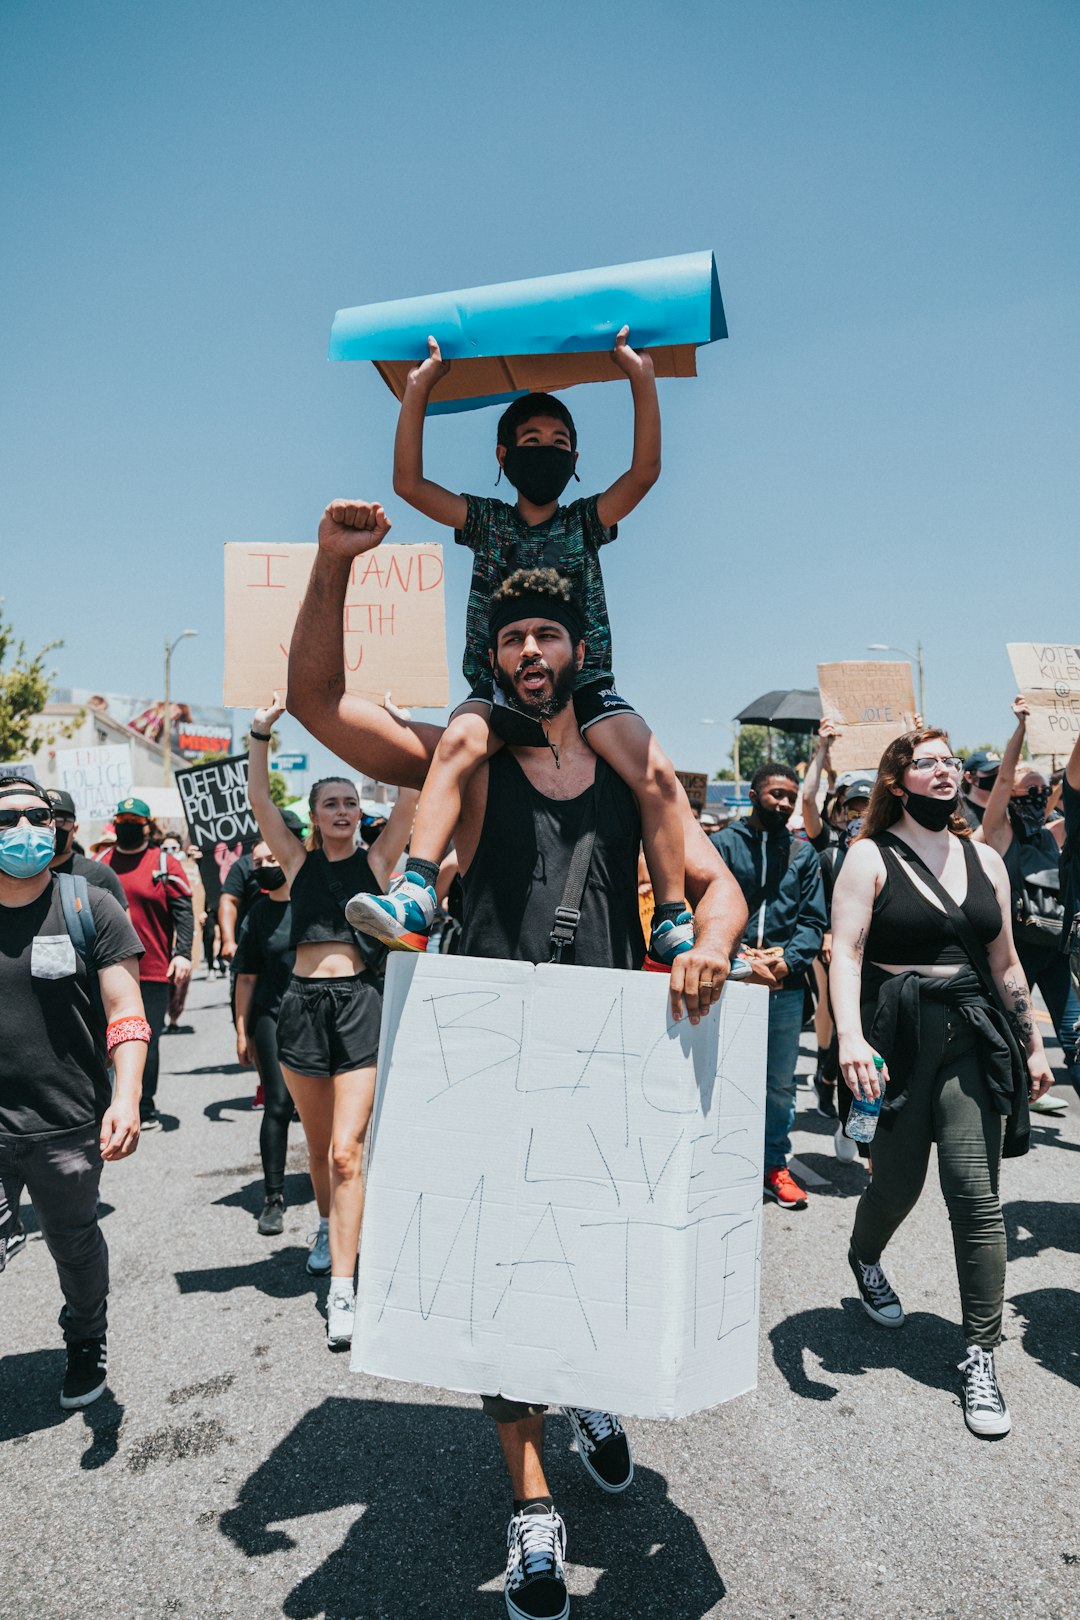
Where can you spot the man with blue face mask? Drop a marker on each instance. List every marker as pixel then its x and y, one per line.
pixel 69 1007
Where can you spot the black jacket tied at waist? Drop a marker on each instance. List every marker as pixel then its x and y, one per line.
pixel 891 1020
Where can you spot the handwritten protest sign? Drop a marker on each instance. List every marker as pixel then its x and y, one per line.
pixel 394 622
pixel 696 784
pixel 96 778
pixel 215 800
pixel 1048 675
pixel 564 1200
pixel 871 702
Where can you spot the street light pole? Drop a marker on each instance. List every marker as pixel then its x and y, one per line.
pixel 167 717
pixel 916 659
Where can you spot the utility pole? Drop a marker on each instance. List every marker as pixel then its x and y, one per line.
pixel 166 736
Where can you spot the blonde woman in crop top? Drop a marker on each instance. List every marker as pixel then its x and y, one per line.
pixel 328 1023
pixel 925 977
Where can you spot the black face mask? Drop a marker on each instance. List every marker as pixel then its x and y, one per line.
pixel 540 472
pixel 130 834
pixel 63 839
pixel 773 821
pixel 934 814
pixel 269 878
pixel 1027 814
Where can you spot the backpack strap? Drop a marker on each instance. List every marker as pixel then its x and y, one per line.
pixel 78 916
pixel 568 913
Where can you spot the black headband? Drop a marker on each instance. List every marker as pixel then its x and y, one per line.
pixel 11 789
pixel 534 605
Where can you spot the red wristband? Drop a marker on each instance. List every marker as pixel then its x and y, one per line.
pixel 126 1029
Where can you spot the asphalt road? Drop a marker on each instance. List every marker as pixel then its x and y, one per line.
pixel 237 1469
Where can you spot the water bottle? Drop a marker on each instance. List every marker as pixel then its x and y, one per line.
pixel 863 1117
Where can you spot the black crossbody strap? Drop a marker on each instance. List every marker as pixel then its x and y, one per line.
pixel 962 928
pixel 568 913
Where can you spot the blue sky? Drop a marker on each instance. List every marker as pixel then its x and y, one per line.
pixel 884 449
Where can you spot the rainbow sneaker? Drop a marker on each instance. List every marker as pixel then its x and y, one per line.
pixel 401 920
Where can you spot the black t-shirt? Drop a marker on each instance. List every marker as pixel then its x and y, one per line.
pixel 1070 859
pixel 243 886
pixel 518 874
pixel 97 874
pixel 53 1073
pixel 263 948
pixel 827 838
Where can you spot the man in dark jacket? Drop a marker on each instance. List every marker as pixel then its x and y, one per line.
pixel 780 878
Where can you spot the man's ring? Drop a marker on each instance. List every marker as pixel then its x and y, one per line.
pixel 706 984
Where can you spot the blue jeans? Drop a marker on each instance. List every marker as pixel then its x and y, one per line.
pixel 785 1025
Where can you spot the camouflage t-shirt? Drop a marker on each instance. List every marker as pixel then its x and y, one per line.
pixel 501 542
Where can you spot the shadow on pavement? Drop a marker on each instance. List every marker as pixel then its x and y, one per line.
pixel 846 1342
pixel 1032 1225
pixel 1050 1336
pixel 435 1504
pixel 297 1191
pixel 1048 1136
pixel 280 1276
pixel 233 1105
pixel 30 1401
pixel 217 1068
pixel 841 1180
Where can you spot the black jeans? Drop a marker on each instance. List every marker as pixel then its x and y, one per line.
pixel 155 998
pixel 948 1102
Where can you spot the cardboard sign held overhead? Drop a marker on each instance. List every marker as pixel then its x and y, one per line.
pixel 696 784
pixel 96 778
pixel 544 333
pixel 394 623
pixel 872 703
pixel 564 1197
pixel 1048 675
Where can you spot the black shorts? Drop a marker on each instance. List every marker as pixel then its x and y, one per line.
pixel 594 701
pixel 326 1026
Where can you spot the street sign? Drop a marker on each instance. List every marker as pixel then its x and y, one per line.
pixel 289 762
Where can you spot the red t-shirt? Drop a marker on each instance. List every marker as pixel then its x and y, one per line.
pixel 148 903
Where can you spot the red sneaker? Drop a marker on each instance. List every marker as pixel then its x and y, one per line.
pixel 782 1186
pixel 259 1100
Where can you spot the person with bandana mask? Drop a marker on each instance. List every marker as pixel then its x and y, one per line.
pixel 932 1008
pixel 69 1007
pixel 537 450
pixel 1014 823
pixel 780 878
pixel 67 859
pixel 159 898
pixel 262 967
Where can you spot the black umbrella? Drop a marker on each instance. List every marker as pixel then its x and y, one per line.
pixel 784 711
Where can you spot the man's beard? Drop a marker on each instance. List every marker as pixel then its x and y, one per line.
pixel 541 707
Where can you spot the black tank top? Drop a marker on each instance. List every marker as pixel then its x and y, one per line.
pixel 906 927
pixel 317 916
pixel 518 875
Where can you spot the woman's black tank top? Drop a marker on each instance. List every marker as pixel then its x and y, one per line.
pixel 518 875
pixel 318 917
pixel 906 927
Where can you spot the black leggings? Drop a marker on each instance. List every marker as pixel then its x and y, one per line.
pixel 155 999
pixel 277 1103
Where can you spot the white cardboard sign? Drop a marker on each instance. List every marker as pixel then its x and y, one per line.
pixel 564 1197
pixel 96 778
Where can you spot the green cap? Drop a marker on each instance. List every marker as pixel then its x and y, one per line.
pixel 133 807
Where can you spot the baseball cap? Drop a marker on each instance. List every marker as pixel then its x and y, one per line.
pixel 861 788
pixel 133 807
pixel 293 822
pixel 61 801
pixel 983 763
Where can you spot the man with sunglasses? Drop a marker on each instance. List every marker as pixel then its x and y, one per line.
pixel 159 898
pixel 977 784
pixel 67 1010
pixel 67 857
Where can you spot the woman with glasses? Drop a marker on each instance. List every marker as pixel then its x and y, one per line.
pixel 931 1004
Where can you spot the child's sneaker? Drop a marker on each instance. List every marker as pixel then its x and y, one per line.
pixel 670 939
pixel 401 919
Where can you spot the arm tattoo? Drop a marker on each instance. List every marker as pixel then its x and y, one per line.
pixel 1020 997
pixel 859 947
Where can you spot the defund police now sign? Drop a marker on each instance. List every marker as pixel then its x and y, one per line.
pixel 215 800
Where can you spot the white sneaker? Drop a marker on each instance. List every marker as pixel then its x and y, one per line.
pixel 846 1150
pixel 985 1412
pixel 318 1261
pixel 340 1310
pixel 535 1583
